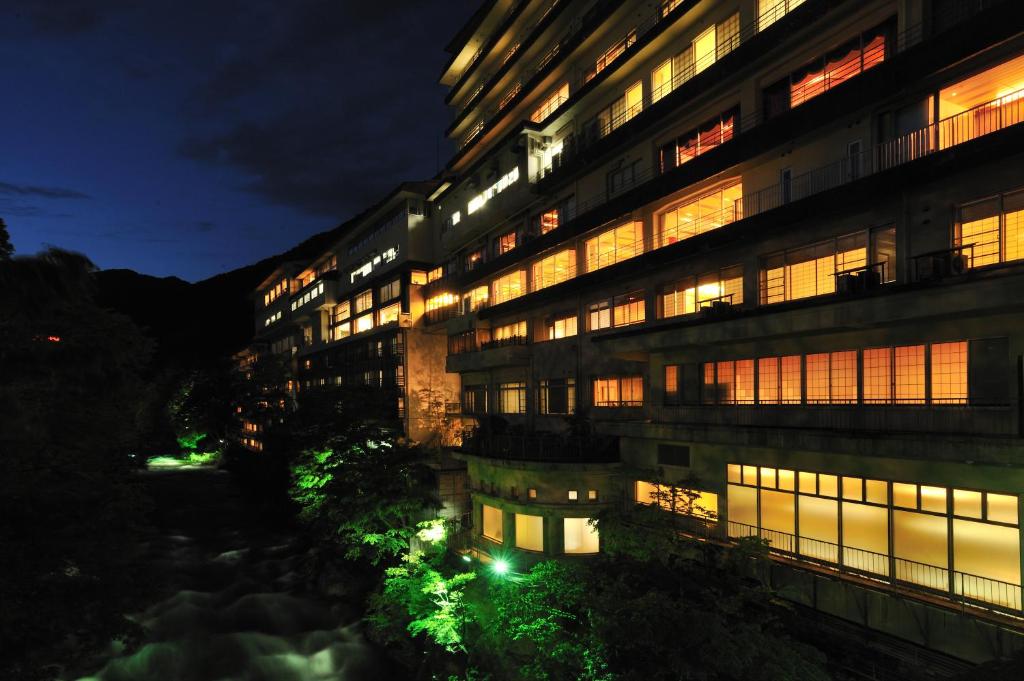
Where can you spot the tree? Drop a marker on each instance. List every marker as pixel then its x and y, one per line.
pixel 6 247
pixel 70 399
pixel 354 481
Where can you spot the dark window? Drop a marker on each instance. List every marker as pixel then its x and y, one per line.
pixel 673 455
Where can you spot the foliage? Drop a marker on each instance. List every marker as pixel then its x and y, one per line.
pixel 6 247
pixel 70 404
pixel 355 483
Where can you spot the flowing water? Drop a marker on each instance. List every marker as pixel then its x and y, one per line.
pixel 231 603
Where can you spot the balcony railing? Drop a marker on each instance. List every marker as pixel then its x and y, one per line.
pixel 960 587
pixel 947 418
pixel 504 342
pixel 541 447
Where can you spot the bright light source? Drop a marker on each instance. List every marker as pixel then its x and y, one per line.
pixel 466 557
pixel 500 567
pixel 434 533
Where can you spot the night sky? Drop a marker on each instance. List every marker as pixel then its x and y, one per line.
pixel 191 137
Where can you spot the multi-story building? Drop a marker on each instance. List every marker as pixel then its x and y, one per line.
pixel 765 252
pixel 354 317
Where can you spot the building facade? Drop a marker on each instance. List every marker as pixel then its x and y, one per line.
pixel 756 261
pixel 764 255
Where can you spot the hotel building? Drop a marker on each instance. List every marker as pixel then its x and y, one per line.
pixel 765 255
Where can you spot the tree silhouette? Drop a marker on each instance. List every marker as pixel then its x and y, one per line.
pixel 6 247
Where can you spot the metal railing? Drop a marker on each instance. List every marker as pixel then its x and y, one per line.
pixel 551 447
pixel 957 586
pixel 504 342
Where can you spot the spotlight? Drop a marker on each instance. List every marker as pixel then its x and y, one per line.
pixel 500 567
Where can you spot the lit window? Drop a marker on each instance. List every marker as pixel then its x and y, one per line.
pixel 909 370
pixel 811 270
pixel 513 331
pixel 475 298
pixel 580 536
pixel 417 277
pixel 992 231
pixel 610 55
pixel 770 11
pixel 512 398
pixel 551 103
pixel 620 391
pixel 678 499
pixel 529 532
pixel 699 215
pixel 493 524
pixel 364 301
pixel 614 245
pixel 554 269
pixel 435 274
pixel 364 323
pixel 508 287
pixel 561 327
pixel 548 221
pixel 591 495
pixel 574 495
pixel 621 111
pixel 620 311
pixel 390 290
pixel 531 493
pixel 389 314
pixel 949 373
pixel 700 140
pixel 691 294
pixel 672 395
pixel 506 242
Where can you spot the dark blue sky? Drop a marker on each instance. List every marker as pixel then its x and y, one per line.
pixel 191 137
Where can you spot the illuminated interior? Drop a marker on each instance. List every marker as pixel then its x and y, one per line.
pixel 508 287
pixel 770 11
pixel 991 231
pixel 811 270
pixel 550 103
pixel 554 269
pixel 511 398
pixel 615 245
pixel 690 294
pixel 529 532
pixel 580 536
pixel 699 215
pixel 981 104
pixel 619 391
pixel 680 500
pixel 493 528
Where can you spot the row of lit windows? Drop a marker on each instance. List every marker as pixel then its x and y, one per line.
pixel 579 535
pixel 890 375
pixel 555 396
pixel 312 293
pixel 682 500
pixel 991 231
pixel 278 290
pixel 904 530
pixel 272 318
pixel 252 443
pixel 704 50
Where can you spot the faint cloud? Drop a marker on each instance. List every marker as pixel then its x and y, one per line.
pixel 41 192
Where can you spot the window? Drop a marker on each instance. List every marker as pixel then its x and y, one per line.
pixel 615 245
pixel 435 274
pixel 580 536
pixel 364 301
pixel 417 277
pixel 512 398
pixel 672 394
pixel 699 215
pixel 610 55
pixel 549 221
pixel 621 178
pixel 591 495
pixel 509 95
pixel 529 532
pixel 949 373
pixel 475 299
pixel 551 103
pixel 462 342
pixel 621 111
pixel 557 396
pixel 506 242
pixel 389 314
pixel 493 523
pixel 992 231
pixel 730 382
pixel 364 323
pixel 508 332
pixel 770 11
pixel 531 493
pixel 554 269
pixel 692 294
pixel 559 327
pixel 473 259
pixel 391 290
pixel 678 499
pixel 619 311
pixel 700 140
pixel 811 270
pixel 703 51
pixel 474 399
pixel 574 495
pixel 508 287
pixel 619 391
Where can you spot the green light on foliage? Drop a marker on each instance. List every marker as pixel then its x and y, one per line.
pixel 433 532
pixel 466 557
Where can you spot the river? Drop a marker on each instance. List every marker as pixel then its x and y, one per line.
pixel 230 603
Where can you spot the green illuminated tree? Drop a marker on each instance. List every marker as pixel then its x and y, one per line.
pixel 355 482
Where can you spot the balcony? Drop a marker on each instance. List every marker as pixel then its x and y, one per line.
pixel 541 447
pixel 491 354
pixel 876 569
pixel 867 418
pixel 319 294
